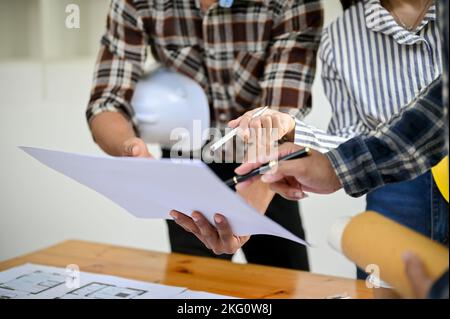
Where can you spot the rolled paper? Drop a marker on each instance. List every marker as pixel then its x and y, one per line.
pixel 373 241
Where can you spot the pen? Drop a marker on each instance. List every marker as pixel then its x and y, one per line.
pixel 264 169
pixel 233 132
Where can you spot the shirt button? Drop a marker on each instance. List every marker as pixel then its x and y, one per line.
pixel 223 117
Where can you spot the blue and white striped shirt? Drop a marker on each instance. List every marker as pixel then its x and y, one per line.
pixel 372 68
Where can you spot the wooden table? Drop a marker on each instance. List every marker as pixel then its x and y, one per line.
pixel 204 274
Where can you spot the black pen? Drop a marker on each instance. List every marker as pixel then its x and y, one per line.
pixel 264 169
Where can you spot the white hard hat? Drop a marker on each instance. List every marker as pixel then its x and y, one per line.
pixel 165 100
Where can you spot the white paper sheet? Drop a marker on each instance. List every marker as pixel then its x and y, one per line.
pixel 151 188
pixel 32 281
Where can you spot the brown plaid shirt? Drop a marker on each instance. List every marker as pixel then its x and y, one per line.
pixel 259 52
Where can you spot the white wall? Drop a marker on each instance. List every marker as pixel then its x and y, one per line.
pixel 42 104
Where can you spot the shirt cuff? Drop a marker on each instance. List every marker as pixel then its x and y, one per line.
pixel 355 167
pixel 304 136
pixel 309 136
pixel 99 107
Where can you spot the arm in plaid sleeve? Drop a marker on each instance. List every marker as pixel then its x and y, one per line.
pixel 120 61
pixel 406 147
pixel 291 60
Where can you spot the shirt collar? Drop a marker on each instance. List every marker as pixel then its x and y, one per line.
pixel 378 19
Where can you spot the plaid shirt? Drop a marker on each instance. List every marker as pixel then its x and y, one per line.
pixel 410 144
pixel 258 52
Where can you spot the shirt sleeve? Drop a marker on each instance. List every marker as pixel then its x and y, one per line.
pixel 345 122
pixel 319 140
pixel 291 58
pixel 120 61
pixel 407 146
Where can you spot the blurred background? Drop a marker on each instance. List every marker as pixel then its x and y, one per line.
pixel 45 77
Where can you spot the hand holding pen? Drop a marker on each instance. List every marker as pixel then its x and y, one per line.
pixel 273 124
pixel 234 132
pixel 292 179
pixel 269 166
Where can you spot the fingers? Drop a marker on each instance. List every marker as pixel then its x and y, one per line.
pixel 128 149
pixel 288 148
pixel 284 180
pixel 247 167
pixel 293 168
pixel 199 226
pixel 416 272
pixel 219 239
pixel 255 133
pixel 255 128
pixel 139 151
pixel 276 174
pixel 234 123
pixel 135 147
pixel 285 191
pixel 276 123
pixel 292 190
pixel 289 188
pixel 185 221
pixel 244 123
pixel 229 241
pixel 268 129
pixel 269 136
pixel 208 233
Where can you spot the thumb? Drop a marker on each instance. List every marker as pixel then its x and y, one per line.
pixel 136 150
pixel 140 150
pixel 417 274
pixel 234 123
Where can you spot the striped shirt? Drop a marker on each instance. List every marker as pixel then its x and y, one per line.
pixel 408 145
pixel 372 68
pixel 404 148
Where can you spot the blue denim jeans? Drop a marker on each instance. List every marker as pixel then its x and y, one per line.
pixel 416 204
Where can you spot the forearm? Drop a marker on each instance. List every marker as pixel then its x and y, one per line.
pixel 119 65
pixel 402 149
pixel 110 130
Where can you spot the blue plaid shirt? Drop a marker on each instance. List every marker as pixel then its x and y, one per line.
pixel 407 146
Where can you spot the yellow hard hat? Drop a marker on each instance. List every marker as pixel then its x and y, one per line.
pixel 440 174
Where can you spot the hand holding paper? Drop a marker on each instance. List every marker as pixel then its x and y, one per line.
pixel 151 189
pixel 219 236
